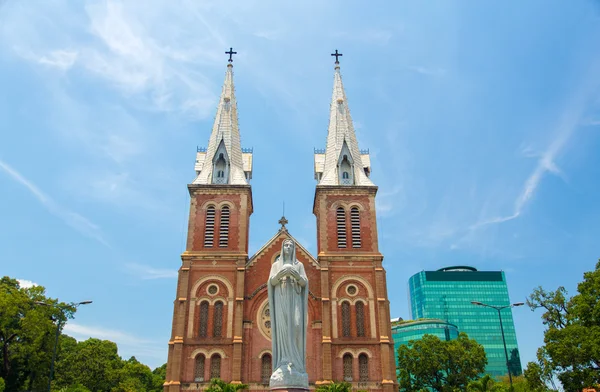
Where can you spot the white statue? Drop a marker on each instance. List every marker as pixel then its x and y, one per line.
pixel 288 301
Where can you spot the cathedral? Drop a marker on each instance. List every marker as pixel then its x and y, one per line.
pixel 221 317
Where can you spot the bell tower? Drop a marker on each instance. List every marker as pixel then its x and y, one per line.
pixel 356 332
pixel 207 336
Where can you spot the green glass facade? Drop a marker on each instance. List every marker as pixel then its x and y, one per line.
pixel 405 331
pixel 446 294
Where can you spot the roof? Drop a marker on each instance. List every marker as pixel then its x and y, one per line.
pixel 282 233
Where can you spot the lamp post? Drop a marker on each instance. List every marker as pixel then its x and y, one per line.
pixel 498 309
pixel 58 326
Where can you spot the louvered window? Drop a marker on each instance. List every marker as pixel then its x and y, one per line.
pixel 347 363
pixel 199 369
pixel 218 319
pixel 363 367
pixel 345 319
pixel 202 331
pixel 224 228
pixel 341 227
pixel 215 366
pixel 355 223
pixel 360 319
pixel 266 369
pixel 209 232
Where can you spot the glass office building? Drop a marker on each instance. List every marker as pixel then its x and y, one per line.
pixel 405 331
pixel 447 293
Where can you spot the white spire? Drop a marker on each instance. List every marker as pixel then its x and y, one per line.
pixel 223 161
pixel 342 162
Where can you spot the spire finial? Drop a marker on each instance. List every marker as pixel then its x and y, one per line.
pixel 283 222
pixel 336 54
pixel 230 53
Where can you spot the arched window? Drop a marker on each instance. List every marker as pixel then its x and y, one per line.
pixel 215 366
pixel 346 319
pixel 341 227
pixel 363 367
pixel 346 171
pixel 360 319
pixel 347 362
pixel 199 368
pixel 345 175
pixel 209 231
pixel 355 224
pixel 266 369
pixel 203 329
pixel 218 319
pixel 224 227
pixel 220 165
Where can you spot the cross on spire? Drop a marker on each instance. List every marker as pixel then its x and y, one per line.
pixel 283 222
pixel 336 54
pixel 230 53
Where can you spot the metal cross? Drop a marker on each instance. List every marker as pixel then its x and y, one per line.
pixel 283 222
pixel 230 53
pixel 336 54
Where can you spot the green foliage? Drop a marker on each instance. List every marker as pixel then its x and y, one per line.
pixel 442 366
pixel 27 333
pixel 572 338
pixel 486 384
pixel 335 387
pixel 218 385
pixel 2 385
pixel 74 388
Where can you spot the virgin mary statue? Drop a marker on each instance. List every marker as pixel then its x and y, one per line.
pixel 288 301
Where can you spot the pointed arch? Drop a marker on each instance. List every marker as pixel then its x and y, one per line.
pixel 220 174
pixel 345 166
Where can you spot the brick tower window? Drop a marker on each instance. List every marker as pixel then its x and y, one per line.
pixel 360 319
pixel 218 319
pixel 215 366
pixel 266 369
pixel 203 328
pixel 209 231
pixel 347 364
pixel 341 227
pixel 345 319
pixel 363 367
pixel 355 224
pixel 199 368
pixel 224 227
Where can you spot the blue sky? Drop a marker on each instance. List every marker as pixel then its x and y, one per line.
pixel 482 118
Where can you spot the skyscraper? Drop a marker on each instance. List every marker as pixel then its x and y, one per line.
pixel 447 294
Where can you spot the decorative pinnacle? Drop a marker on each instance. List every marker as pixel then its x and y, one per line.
pixel 336 54
pixel 230 53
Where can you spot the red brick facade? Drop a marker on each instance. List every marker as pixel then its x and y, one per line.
pixel 220 315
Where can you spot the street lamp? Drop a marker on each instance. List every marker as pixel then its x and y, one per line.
pixel 74 304
pixel 498 309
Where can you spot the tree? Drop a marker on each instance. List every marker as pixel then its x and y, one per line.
pixel 335 387
pixel 572 337
pixel 218 385
pixel 442 366
pixel 27 334
pixel 2 384
pixel 485 384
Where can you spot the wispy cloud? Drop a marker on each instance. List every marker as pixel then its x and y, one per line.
pixel 25 284
pixel 148 272
pixel 62 59
pixel 73 219
pixel 128 344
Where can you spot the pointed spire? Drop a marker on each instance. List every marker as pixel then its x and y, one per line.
pixel 222 162
pixel 342 162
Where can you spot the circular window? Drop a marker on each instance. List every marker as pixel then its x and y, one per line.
pixel 264 319
pixel 213 289
pixel 351 289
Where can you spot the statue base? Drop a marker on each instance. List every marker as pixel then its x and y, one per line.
pixel 288 378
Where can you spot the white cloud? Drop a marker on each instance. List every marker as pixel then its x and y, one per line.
pixel 148 272
pixel 73 219
pixel 62 59
pixel 25 284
